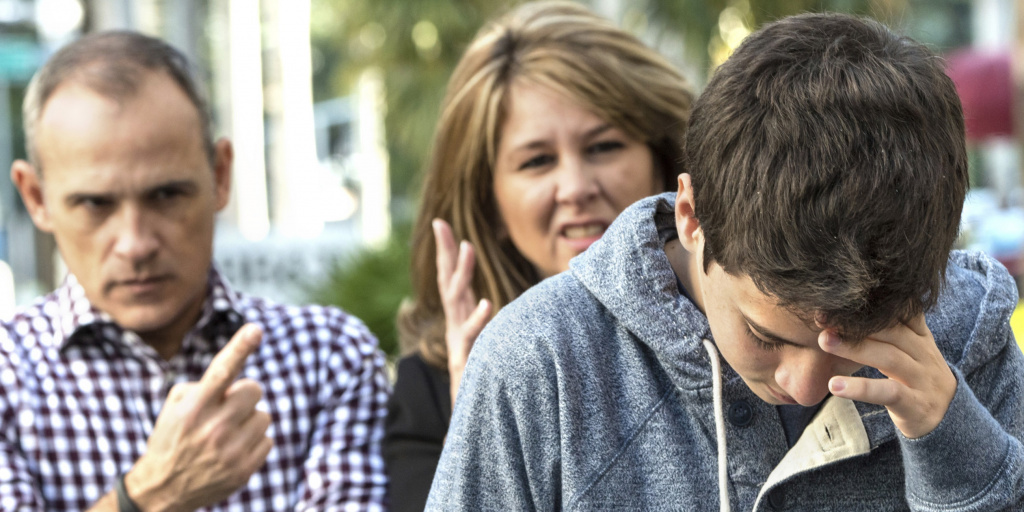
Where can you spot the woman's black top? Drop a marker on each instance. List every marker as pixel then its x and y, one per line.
pixel 418 414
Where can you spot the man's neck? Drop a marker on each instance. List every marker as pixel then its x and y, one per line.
pixel 167 340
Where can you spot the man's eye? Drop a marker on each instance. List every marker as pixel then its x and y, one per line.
pixel 166 194
pixel 95 203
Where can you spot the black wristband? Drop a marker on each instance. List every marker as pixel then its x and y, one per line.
pixel 124 502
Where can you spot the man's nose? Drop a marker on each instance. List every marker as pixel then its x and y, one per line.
pixel 577 181
pixel 805 374
pixel 136 238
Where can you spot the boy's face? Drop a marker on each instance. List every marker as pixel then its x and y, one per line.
pixel 774 350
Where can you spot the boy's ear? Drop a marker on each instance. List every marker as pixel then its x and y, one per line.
pixel 26 179
pixel 687 225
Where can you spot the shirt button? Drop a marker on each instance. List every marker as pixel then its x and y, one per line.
pixel 777 499
pixel 741 413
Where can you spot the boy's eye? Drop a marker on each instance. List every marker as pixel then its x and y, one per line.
pixel 766 346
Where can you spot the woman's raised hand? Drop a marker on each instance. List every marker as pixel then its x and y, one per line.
pixel 464 316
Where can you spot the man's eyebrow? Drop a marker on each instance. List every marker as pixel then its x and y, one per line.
pixel 186 185
pixel 766 333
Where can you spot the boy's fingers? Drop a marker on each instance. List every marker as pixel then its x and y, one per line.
pixel 885 392
pixel 228 363
pixel 886 357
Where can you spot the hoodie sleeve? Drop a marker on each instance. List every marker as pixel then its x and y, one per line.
pixel 974 459
pixel 502 448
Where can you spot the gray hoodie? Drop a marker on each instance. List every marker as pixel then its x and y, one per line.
pixel 594 391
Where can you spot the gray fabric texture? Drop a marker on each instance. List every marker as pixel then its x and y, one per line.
pixel 593 392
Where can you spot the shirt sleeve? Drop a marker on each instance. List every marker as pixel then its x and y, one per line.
pixel 345 469
pixel 18 490
pixel 973 460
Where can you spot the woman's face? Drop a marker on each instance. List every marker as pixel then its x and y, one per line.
pixel 562 175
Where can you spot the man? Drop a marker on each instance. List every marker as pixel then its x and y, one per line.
pixel 789 331
pixel 118 390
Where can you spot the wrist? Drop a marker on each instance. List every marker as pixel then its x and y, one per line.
pixel 124 500
pixel 144 494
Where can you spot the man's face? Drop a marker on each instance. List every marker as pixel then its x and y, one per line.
pixel 771 348
pixel 128 192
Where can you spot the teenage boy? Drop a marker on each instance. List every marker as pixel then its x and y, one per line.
pixel 789 331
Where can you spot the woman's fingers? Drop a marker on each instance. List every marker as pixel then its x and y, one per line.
pixel 461 282
pixel 476 321
pixel 446 252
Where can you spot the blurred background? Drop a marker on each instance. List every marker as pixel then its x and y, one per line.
pixel 331 106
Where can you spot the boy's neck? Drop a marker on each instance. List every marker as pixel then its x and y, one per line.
pixel 684 264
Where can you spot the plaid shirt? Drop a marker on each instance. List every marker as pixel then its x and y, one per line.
pixel 79 397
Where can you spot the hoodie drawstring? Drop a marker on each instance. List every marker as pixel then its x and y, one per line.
pixel 716 390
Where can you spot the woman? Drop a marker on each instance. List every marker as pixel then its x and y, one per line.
pixel 554 121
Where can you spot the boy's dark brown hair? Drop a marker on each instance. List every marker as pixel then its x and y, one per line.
pixel 828 163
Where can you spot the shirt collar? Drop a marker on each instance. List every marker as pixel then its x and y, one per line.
pixel 222 310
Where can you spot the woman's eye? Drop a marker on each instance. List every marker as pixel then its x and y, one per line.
pixel 605 146
pixel 537 161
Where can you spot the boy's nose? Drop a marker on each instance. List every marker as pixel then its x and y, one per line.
pixel 805 378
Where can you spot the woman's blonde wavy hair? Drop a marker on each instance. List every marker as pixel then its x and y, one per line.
pixel 570 50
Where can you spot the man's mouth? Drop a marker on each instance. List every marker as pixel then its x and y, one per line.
pixel 140 284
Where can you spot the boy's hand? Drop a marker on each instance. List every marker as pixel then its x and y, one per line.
pixel 920 384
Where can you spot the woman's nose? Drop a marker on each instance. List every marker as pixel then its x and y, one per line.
pixel 577 183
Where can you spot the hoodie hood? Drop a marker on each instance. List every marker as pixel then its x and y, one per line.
pixel 629 274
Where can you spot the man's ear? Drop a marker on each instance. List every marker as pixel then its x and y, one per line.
pixel 687 225
pixel 224 157
pixel 30 186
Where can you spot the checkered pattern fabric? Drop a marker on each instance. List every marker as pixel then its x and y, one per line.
pixel 79 397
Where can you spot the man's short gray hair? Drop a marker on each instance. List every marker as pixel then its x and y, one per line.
pixel 112 64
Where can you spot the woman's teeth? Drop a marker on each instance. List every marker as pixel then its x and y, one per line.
pixel 584 231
